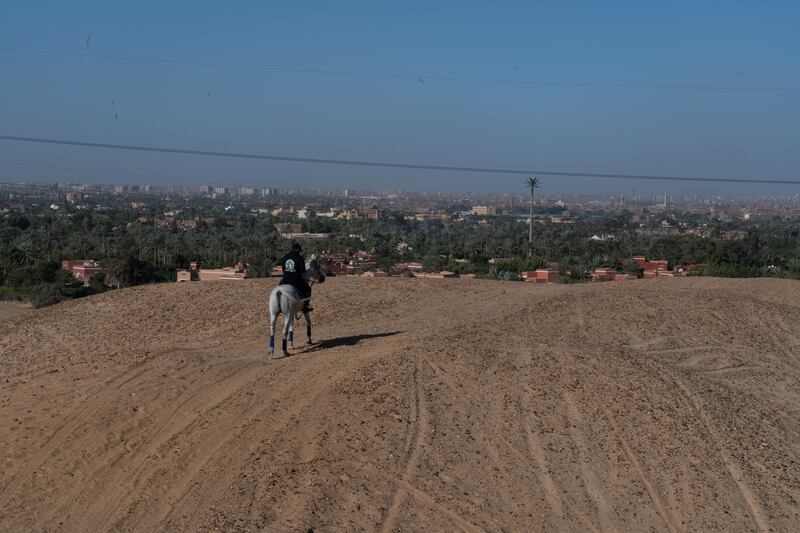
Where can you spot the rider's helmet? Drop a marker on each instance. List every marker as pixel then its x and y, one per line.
pixel 296 247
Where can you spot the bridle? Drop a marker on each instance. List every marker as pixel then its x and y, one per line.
pixel 318 268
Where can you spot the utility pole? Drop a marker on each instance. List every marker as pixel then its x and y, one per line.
pixel 532 183
pixel 530 225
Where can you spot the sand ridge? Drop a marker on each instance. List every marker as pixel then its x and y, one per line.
pixel 667 405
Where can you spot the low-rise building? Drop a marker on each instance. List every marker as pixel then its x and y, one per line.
pixel 375 274
pixel 370 213
pixel 305 236
pixel 186 223
pixel 645 264
pixel 604 274
pixel 484 210
pixel 346 263
pixel 287 228
pixel 412 267
pixel 83 269
pixel 428 217
pixel 734 235
pixel 542 275
pixel 195 273
pixel 443 274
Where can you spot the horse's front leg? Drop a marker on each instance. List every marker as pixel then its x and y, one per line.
pixel 308 326
pixel 287 328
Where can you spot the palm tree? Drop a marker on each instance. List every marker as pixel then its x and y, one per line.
pixel 27 251
pixel 532 183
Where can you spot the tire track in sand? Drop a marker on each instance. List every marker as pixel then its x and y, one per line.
pixel 734 470
pixel 552 489
pixel 731 466
pixel 536 450
pixel 92 402
pixel 204 454
pixel 420 434
pixel 210 395
pixel 420 495
pixel 655 497
pixel 429 500
pixel 594 487
pixel 591 481
pixel 165 425
pixel 220 476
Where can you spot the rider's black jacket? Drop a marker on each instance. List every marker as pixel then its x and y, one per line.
pixel 294 266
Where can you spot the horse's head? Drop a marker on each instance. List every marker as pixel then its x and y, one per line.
pixel 316 268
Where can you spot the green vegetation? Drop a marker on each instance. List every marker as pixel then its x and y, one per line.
pixel 135 250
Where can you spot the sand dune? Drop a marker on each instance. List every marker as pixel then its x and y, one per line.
pixel 667 405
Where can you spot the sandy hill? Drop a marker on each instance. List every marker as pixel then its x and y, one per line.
pixel 667 405
pixel 12 309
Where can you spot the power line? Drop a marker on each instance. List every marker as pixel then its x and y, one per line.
pixel 412 77
pixel 410 166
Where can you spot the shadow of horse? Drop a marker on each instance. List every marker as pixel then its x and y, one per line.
pixel 352 340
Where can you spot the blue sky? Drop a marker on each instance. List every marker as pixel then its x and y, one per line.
pixel 573 128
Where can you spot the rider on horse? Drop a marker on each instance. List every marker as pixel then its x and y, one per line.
pixel 294 266
pixel 286 301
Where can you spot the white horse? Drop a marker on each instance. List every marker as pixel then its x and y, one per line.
pixel 285 299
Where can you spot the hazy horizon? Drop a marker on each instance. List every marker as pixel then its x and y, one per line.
pixel 667 90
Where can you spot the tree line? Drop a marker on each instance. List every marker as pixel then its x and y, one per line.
pixel 32 246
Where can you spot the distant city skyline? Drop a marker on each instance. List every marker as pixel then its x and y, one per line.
pixel 681 89
pixel 245 191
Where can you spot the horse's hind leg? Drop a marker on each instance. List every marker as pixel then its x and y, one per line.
pixel 308 326
pixel 273 321
pixel 274 310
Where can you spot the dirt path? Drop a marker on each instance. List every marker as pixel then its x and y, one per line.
pixel 671 405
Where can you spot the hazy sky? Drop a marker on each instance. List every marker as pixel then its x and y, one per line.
pixel 552 127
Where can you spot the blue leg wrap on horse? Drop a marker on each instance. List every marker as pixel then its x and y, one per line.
pixel 272 342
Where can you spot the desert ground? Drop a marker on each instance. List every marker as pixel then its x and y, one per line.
pixel 429 405
pixel 12 309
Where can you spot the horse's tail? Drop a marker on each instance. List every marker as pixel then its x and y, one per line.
pixel 278 301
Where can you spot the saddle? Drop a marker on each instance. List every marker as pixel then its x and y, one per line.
pixel 293 293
